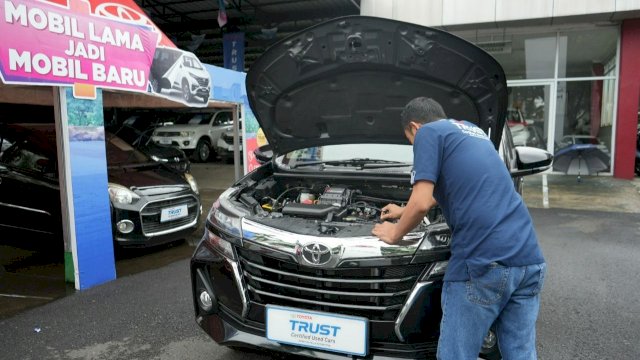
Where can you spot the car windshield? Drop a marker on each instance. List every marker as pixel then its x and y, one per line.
pixel 379 155
pixel 120 153
pixel 194 119
pixel 192 63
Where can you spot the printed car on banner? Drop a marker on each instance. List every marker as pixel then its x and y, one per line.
pixel 73 42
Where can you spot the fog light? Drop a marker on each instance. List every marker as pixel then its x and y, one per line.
pixel 489 340
pixel 125 226
pixel 205 300
pixel 186 143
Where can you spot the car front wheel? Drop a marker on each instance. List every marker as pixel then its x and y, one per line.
pixel 203 151
pixel 186 94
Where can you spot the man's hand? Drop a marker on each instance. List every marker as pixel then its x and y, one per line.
pixel 420 201
pixel 391 212
pixel 386 231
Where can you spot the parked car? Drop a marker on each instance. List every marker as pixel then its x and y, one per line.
pixel 287 261
pixel 527 135
pixel 225 148
pixel 137 130
pixel 142 192
pixel 195 133
pixel 182 71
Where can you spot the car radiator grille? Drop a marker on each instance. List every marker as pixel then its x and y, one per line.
pixel 150 214
pixel 203 82
pixel 168 133
pixel 377 293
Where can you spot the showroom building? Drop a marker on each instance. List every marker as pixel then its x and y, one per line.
pixel 571 66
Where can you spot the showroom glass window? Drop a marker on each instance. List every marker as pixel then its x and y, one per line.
pixel 562 83
pixel 586 88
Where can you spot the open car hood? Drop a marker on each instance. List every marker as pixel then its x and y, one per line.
pixel 348 79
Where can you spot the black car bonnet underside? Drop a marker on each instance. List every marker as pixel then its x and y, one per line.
pixel 347 80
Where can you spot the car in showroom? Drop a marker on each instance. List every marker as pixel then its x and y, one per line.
pixel 151 203
pixel 196 133
pixel 287 261
pixel 225 148
pixel 137 130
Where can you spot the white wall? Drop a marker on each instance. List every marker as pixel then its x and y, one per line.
pixel 461 12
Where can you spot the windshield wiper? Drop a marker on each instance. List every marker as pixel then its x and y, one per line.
pixel 363 163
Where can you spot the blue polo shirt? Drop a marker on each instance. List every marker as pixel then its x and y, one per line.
pixel 488 219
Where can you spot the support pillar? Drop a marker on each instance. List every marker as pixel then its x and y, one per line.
pixel 82 168
pixel 628 94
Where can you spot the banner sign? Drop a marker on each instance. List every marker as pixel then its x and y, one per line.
pixel 230 86
pixel 53 45
pixel 233 48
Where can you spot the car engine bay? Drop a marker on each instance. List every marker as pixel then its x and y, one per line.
pixel 326 208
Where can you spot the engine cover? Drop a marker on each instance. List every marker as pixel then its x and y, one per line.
pixel 337 196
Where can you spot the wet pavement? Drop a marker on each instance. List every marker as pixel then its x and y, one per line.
pixel 597 193
pixel 588 307
pixel 32 276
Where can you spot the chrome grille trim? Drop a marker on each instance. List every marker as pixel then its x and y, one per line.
pixel 328 292
pixel 154 208
pixel 330 280
pixel 322 303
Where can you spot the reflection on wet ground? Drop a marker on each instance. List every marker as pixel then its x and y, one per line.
pixel 32 270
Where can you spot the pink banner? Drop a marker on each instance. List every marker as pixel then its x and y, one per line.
pixel 51 44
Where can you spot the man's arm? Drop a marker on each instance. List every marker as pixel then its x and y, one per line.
pixel 420 202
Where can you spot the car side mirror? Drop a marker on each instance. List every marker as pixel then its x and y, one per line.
pixel 531 160
pixel 263 154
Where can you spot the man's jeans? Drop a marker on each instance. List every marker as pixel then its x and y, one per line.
pixel 505 296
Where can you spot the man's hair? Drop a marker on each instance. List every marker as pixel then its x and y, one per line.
pixel 422 110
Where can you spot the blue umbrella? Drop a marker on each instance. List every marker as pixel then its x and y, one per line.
pixel 584 158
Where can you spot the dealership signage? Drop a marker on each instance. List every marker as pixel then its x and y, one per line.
pixel 49 44
pixel 233 48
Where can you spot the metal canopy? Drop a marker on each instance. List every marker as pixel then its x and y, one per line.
pixel 263 21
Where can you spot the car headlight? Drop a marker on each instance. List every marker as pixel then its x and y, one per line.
pixel 121 195
pixel 438 237
pixel 219 244
pixel 158 159
pixel 192 182
pixel 187 133
pixel 195 76
pixel 224 220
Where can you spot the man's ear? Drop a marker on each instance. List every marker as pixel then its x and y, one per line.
pixel 414 126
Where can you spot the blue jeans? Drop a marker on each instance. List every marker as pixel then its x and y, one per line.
pixel 508 297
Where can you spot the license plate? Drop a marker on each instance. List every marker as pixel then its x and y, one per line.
pixel 173 213
pixel 318 330
pixel 165 141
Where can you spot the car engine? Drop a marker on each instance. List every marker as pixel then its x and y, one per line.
pixel 325 208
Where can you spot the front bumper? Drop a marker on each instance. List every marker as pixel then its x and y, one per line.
pixel 148 230
pixel 225 150
pixel 225 329
pixel 182 142
pixel 198 90
pixel 238 317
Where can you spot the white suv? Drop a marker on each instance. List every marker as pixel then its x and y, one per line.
pixel 195 133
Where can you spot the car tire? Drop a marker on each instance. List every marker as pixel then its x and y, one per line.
pixel 203 151
pixel 186 94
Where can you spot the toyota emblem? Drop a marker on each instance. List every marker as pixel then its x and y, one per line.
pixel 316 253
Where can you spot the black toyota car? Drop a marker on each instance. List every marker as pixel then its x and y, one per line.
pixel 141 190
pixel 287 261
